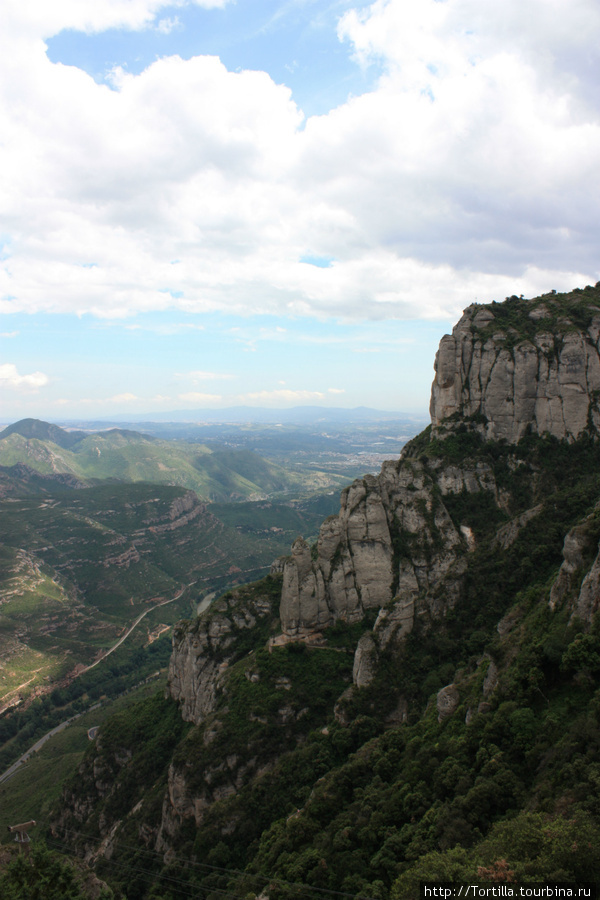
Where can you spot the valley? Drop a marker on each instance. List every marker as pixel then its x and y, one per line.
pixel 99 558
pixel 412 691
pixel 88 565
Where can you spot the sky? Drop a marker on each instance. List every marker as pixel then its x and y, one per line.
pixel 209 203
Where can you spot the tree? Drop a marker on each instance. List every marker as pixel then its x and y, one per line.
pixel 43 876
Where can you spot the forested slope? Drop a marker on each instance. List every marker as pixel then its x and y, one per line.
pixel 415 696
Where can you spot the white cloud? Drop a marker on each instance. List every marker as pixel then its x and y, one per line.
pixel 336 391
pixel 121 398
pixel 166 26
pixel 467 173
pixel 38 17
pixel 10 378
pixel 284 396
pixel 197 376
pixel 195 397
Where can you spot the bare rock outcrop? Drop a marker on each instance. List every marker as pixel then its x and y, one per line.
pixel 505 370
pixel 447 701
pixel 377 552
pixel 524 366
pixel 393 547
pixel 365 661
pixel 182 511
pixel 578 581
pixel 203 649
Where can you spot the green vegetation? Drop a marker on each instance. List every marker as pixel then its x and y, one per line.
pixel 79 566
pixel 215 473
pixel 125 670
pixel 300 782
pixel 45 875
pixel 292 778
pixel 37 785
pixel 553 313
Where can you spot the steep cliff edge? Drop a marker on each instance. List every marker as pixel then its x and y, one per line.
pixel 378 550
pixel 523 364
pixel 507 370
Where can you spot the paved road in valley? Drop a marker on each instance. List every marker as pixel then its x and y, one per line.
pixel 8 774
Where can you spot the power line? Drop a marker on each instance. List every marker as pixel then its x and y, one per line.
pixel 268 879
pixel 151 877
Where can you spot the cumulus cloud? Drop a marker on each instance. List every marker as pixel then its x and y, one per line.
pixel 467 173
pixel 166 26
pixel 10 378
pixel 40 18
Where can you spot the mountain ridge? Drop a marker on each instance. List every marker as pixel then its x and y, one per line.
pixel 214 473
pixel 36 428
pixel 414 697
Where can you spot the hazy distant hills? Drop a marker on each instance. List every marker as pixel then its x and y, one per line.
pixel 298 415
pixel 214 474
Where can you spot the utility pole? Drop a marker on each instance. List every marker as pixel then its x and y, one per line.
pixel 21 836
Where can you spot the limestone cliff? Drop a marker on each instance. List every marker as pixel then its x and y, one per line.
pixel 376 554
pixel 506 370
pixel 523 364
pixel 578 581
pixel 203 650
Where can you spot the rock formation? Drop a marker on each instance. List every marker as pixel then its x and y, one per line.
pixel 373 552
pixel 442 530
pixel 578 579
pixel 394 547
pixel 539 369
pixel 506 369
pixel 202 651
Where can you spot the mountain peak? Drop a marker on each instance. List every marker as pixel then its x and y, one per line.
pixel 43 431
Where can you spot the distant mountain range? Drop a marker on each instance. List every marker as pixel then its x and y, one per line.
pixel 218 474
pixel 297 415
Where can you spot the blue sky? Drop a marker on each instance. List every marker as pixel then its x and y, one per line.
pixel 295 42
pixel 195 362
pixel 214 203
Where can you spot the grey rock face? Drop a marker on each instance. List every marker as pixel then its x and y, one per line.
pixel 581 554
pixel 393 546
pixel 358 567
pixel 303 593
pixel 547 381
pixel 588 601
pixel 365 661
pixel 353 570
pixel 508 533
pixel 579 546
pixel 377 553
pixel 447 701
pixel 200 660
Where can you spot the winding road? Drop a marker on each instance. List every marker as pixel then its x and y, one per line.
pixel 8 774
